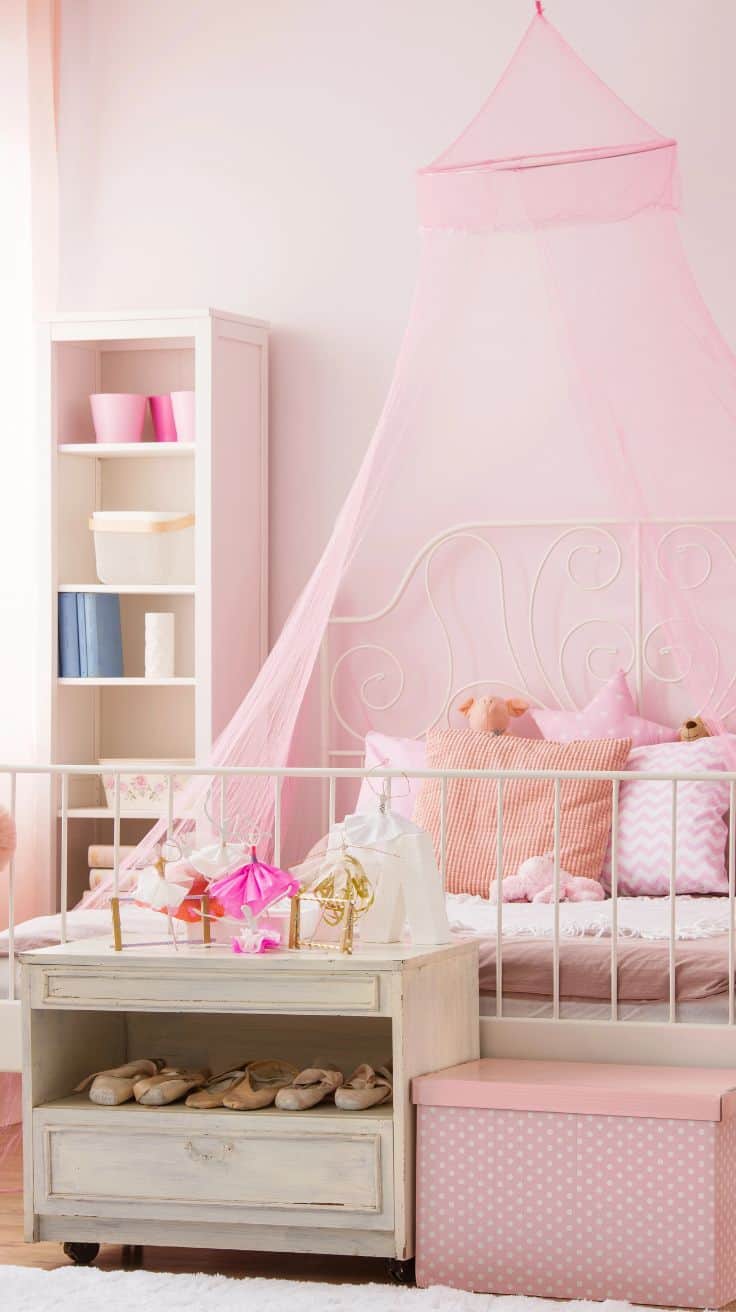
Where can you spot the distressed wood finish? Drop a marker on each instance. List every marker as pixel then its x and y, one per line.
pixel 319 1181
pixel 212 1166
pixel 202 990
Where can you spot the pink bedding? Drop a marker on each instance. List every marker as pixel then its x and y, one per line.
pixel 585 968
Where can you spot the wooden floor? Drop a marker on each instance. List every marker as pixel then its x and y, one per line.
pixel 288 1266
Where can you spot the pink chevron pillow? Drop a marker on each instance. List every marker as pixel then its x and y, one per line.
pixel 528 813
pixel 645 822
pixel 611 714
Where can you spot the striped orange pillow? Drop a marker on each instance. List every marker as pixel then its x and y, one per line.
pixel 528 804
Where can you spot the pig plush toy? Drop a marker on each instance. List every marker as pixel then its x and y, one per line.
pixel 491 714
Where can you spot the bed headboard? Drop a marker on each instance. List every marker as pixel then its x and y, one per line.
pixel 545 611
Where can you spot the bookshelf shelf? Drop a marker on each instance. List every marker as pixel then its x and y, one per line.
pixel 132 682
pixel 221 619
pixel 128 450
pixel 106 813
pixel 133 589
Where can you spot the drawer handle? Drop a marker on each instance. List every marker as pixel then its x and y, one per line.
pixel 221 1154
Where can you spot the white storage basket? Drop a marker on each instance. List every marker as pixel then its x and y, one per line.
pixel 145 787
pixel 144 546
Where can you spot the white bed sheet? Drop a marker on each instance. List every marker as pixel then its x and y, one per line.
pixel 638 917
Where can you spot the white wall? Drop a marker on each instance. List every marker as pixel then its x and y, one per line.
pixel 259 155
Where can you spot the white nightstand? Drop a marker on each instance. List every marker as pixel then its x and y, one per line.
pixel 318 1181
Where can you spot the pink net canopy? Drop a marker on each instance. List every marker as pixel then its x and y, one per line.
pixel 561 393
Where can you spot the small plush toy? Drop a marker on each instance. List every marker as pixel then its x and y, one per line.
pixel 491 714
pixel 535 882
pixel 690 730
pixel 7 837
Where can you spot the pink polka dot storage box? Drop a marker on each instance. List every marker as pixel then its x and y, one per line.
pixel 576 1180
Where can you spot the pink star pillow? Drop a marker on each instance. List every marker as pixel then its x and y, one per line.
pixel 611 714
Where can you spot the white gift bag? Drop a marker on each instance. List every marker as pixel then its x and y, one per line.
pixel 398 858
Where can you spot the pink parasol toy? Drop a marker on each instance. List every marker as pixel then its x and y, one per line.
pixel 252 888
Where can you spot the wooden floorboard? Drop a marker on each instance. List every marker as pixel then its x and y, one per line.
pixel 287 1266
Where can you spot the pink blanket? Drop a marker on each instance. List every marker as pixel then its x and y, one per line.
pixel 585 968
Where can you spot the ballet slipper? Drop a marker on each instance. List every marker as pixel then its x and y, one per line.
pixel 259 1085
pixel 168 1086
pixel 365 1088
pixel 112 1087
pixel 214 1091
pixel 308 1088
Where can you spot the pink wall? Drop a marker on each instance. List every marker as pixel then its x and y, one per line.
pixel 258 154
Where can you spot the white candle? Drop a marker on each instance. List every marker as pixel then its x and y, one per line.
pixel 159 645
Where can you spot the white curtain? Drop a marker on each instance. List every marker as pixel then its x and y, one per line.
pixel 28 254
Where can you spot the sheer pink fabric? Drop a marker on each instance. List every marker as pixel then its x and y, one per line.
pixel 559 365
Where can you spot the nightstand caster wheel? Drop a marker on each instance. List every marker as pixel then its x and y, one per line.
pixel 132 1255
pixel 81 1254
pixel 401 1273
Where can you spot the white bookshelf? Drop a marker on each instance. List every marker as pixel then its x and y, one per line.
pixel 129 450
pixel 177 681
pixel 222 612
pixel 133 589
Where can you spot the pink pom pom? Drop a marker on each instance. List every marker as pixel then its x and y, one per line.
pixel 8 838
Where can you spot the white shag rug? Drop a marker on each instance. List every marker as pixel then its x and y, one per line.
pixel 85 1289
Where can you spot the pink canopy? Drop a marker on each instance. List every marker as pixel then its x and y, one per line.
pixel 560 377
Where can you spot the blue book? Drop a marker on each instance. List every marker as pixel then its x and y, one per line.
pixel 81 634
pixel 69 667
pixel 103 637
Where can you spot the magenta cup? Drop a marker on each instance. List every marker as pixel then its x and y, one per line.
pixel 162 414
pixel 118 416
pixel 183 405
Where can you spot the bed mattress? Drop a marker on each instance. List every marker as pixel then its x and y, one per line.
pixel 708 1011
pixel 701 954
pixel 643 951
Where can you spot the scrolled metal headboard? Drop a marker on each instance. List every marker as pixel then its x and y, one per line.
pixel 611 613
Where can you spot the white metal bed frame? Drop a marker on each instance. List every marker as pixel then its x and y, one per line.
pixel 609 546
pixel 670 1041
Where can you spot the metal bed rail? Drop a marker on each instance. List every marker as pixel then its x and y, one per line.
pixel 331 775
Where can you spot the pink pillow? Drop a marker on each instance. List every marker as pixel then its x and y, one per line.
pixel 400 754
pixel 645 822
pixel 611 714
pixel 527 804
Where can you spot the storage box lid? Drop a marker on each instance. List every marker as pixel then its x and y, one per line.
pixel 662 1092
pixel 140 521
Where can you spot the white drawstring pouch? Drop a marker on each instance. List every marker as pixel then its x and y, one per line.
pixel 399 860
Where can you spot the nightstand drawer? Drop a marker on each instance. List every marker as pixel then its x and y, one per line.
pixel 246 1167
pixel 139 989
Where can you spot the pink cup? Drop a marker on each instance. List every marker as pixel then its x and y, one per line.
pixel 183 406
pixel 162 414
pixel 118 416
